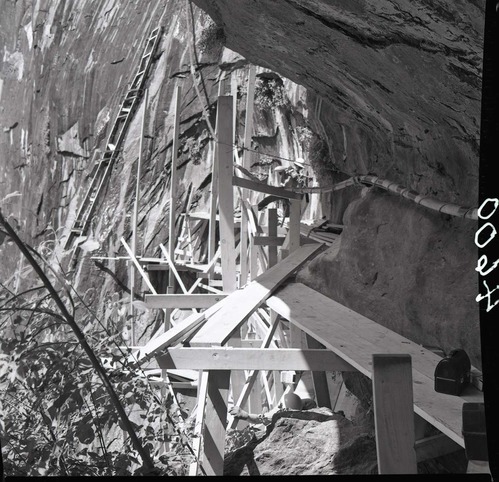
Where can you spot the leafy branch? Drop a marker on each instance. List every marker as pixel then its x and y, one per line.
pixel 26 250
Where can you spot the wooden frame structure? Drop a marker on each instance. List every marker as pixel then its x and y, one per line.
pixel 247 280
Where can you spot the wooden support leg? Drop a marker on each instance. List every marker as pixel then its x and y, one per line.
pixel 278 386
pixel 215 421
pixel 198 427
pixel 294 225
pixel 272 221
pixel 320 379
pixel 226 192
pixel 394 414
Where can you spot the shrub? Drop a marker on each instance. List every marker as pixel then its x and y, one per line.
pixel 269 93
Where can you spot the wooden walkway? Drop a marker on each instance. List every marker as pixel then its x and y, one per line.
pixel 356 339
pixel 254 317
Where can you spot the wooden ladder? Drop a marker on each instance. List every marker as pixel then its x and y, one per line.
pixel 104 165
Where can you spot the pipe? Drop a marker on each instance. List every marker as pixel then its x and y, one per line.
pixel 426 201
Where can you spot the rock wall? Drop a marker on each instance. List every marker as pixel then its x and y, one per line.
pixel 71 64
pixel 398 96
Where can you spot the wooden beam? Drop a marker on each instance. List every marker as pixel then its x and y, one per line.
pixel 294 225
pixel 393 414
pixel 248 131
pixel 138 266
pixel 224 155
pixel 265 188
pixel 241 304
pixel 272 232
pixel 232 358
pixel 271 241
pixel 135 215
pixel 185 301
pixel 172 336
pixel 172 241
pixel 199 424
pixel 215 422
pixel 173 270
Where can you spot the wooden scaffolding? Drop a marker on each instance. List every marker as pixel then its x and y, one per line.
pixel 252 324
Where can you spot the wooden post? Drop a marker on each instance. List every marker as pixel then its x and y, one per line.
pixel 172 241
pixel 294 225
pixel 272 224
pixel 278 387
pixel 252 377
pixel 215 421
pixel 198 427
pixel 248 131
pixel 135 217
pixel 394 414
pixel 226 192
pixel 319 378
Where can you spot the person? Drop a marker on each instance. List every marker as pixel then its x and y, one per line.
pixel 294 176
pixel 292 401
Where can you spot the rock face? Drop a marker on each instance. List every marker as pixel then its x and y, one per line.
pixel 316 442
pixel 398 87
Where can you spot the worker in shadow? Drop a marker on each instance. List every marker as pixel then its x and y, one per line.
pixel 293 177
pixel 291 401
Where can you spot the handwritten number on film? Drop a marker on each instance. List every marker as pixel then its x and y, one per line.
pixel 489 232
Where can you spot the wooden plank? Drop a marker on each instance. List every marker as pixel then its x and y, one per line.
pixel 172 241
pixel 387 340
pixel 355 337
pixel 243 303
pixel 226 192
pixel 271 241
pixel 185 301
pixel 233 358
pixel 265 188
pixel 246 162
pixel 393 414
pixel 215 421
pixel 172 336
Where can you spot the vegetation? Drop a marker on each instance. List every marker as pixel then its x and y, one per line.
pixel 211 40
pixel 270 93
pixel 65 393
